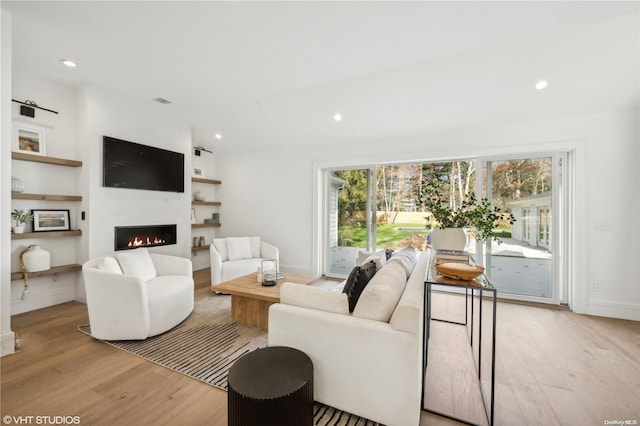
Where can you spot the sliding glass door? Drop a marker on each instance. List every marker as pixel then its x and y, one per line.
pixel 526 265
pixel 379 207
pixel 348 218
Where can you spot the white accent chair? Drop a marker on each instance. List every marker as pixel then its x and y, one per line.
pixel 135 294
pixel 233 257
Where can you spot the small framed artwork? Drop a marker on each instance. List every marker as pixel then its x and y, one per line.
pixel 193 216
pixel 50 220
pixel 198 172
pixel 28 139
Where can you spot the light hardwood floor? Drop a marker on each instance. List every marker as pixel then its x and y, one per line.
pixel 553 368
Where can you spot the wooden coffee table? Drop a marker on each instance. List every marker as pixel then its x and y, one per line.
pixel 250 300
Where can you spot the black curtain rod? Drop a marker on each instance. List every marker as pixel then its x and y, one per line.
pixel 33 105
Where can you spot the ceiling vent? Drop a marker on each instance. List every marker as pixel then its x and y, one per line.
pixel 163 101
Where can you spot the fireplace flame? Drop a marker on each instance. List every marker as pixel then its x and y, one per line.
pixel 146 241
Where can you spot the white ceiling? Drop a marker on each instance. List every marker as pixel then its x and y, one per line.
pixel 267 74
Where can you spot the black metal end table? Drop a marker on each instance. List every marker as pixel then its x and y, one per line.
pixel 475 291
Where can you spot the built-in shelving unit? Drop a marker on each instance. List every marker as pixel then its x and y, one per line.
pixel 45 197
pixel 205 225
pixel 47 234
pixel 54 270
pixel 196 249
pixel 44 159
pixel 203 180
pixel 62 269
pixel 206 203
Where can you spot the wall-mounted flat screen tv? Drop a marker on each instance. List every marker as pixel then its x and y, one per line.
pixel 135 166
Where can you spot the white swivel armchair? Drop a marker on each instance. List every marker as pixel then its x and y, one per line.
pixel 135 294
pixel 234 257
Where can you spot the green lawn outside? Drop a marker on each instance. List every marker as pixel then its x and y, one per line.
pixel 389 236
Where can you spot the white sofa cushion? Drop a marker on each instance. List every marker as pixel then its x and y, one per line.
pixel 406 257
pixel 314 298
pixel 221 247
pixel 109 264
pixel 380 297
pixel 239 268
pixel 137 263
pixel 239 248
pixel 255 246
pixel 408 314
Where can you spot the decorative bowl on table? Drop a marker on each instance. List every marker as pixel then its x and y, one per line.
pixel 459 271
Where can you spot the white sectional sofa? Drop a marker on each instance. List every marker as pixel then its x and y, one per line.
pixel 367 362
pixel 233 257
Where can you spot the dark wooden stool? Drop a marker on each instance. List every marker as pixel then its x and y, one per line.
pixel 272 387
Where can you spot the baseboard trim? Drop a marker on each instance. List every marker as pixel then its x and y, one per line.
pixel 7 343
pixel 607 308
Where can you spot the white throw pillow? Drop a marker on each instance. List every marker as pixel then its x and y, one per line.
pixel 221 247
pixel 239 248
pixel 381 295
pixel 255 246
pixel 364 255
pixel 314 298
pixel 379 261
pixel 137 263
pixel 109 264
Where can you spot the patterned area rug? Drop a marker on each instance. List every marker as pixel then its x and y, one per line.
pixel 206 345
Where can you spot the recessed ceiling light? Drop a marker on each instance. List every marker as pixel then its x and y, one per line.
pixel 542 84
pixel 337 117
pixel 69 63
pixel 218 136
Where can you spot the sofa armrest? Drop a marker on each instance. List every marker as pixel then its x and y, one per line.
pixel 351 354
pixel 216 265
pixel 117 305
pixel 314 298
pixel 269 251
pixel 172 265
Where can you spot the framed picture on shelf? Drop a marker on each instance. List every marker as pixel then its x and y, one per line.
pixel 50 220
pixel 28 139
pixel 198 172
pixel 193 215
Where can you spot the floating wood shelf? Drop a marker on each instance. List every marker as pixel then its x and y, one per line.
pixel 209 181
pixel 206 203
pixel 45 197
pixel 205 225
pixel 55 270
pixel 49 234
pixel 44 159
pixel 198 248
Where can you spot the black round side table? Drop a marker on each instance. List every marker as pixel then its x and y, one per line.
pixel 272 387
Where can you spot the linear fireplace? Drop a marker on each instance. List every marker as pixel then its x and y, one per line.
pixel 130 237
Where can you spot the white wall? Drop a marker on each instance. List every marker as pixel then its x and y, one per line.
pixel 6 335
pixel 272 194
pixel 105 112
